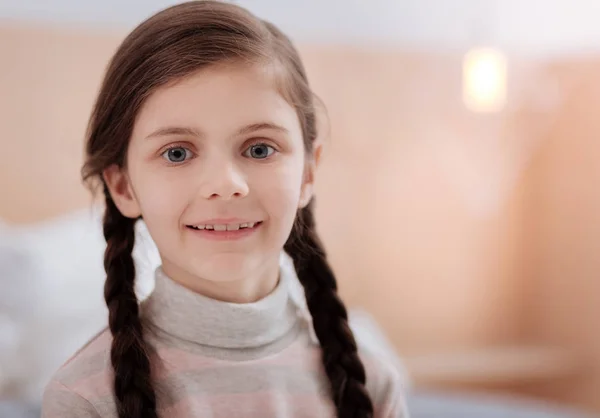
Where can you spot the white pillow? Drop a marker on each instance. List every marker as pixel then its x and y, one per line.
pixel 51 294
pixel 15 268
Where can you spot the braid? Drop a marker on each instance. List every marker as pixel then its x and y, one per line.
pixel 133 389
pixel 340 356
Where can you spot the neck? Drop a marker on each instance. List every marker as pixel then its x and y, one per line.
pixel 175 311
pixel 253 287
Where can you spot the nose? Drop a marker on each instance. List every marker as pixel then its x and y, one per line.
pixel 223 180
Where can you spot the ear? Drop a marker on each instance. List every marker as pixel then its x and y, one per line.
pixel 308 183
pixel 120 189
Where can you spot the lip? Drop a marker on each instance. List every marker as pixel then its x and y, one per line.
pixel 225 235
pixel 223 221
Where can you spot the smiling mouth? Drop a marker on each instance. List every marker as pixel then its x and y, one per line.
pixel 226 227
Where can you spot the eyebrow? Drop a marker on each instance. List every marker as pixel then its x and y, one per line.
pixel 189 131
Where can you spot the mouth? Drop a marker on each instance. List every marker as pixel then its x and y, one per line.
pixel 225 232
pixel 225 227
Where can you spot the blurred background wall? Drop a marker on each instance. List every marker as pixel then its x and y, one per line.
pixel 472 237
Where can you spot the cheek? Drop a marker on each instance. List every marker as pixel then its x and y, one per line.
pixel 279 191
pixel 159 196
pixel 281 201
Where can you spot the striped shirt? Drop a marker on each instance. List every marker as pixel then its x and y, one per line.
pixel 216 359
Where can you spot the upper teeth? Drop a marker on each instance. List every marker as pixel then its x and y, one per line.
pixel 228 227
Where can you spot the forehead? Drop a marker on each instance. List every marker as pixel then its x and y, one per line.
pixel 217 99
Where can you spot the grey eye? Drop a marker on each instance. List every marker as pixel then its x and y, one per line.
pixel 177 154
pixel 260 151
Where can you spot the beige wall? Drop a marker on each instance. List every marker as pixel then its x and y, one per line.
pixel 561 302
pixel 453 229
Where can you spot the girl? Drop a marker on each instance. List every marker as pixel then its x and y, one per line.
pixel 205 128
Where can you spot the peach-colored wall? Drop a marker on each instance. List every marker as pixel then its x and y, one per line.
pixel 562 268
pixel 404 201
pixel 48 80
pixel 434 218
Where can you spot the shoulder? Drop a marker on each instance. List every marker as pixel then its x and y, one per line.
pixel 81 380
pixel 91 360
pixel 60 401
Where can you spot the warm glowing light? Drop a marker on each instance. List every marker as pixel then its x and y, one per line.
pixel 484 80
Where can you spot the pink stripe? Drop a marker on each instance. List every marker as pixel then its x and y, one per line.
pixel 95 386
pixel 267 403
pixel 176 360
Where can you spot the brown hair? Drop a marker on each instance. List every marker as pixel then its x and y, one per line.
pixel 168 46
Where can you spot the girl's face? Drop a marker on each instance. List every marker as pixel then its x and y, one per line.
pixel 219 150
